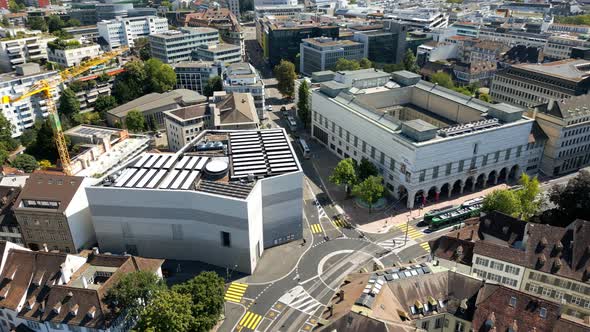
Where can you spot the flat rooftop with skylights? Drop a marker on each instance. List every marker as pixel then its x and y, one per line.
pixel 237 192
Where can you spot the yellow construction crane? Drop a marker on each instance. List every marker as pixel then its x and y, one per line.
pixel 45 87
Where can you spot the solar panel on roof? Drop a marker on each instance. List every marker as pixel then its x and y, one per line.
pixel 146 178
pixel 275 161
pixel 150 162
pixel 250 172
pixel 249 154
pixel 242 133
pixel 136 177
pixel 127 173
pixel 246 163
pixel 236 144
pixel 170 161
pixel 246 150
pixel 182 162
pixel 237 160
pixel 283 169
pixel 154 181
pixel 280 156
pixel 142 160
pixel 166 183
pixel 282 165
pixel 191 164
pixel 179 179
pixel 247 167
pixel 277 148
pixel 282 144
pixel 201 163
pixel 161 161
pixel 277 140
pixel 189 180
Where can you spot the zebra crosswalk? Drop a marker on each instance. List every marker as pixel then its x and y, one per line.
pixel 339 223
pixel 250 320
pixel 413 233
pixel 425 246
pixel 316 228
pixel 299 299
pixel 235 291
pixel 388 244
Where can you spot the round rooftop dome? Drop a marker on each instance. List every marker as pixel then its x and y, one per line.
pixel 216 166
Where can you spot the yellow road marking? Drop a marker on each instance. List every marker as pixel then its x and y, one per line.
pixel 250 320
pixel 340 223
pixel 412 232
pixel 425 246
pixel 235 291
pixel 316 228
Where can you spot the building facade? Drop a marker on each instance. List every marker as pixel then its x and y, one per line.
pixel 530 85
pixel 386 44
pixel 71 56
pixel 178 45
pixel 52 211
pixel 121 32
pixel 18 51
pixel 193 75
pixel 9 231
pixel 319 54
pixel 235 205
pixel 223 53
pixel 243 77
pixel 223 19
pixel 567 125
pixel 429 156
pixel 23 114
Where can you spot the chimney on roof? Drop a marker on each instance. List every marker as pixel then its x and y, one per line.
pixel 95 251
pixel 45 247
pixel 57 308
pixel 84 282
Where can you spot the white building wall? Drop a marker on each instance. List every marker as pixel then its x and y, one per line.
pixel 73 57
pixel 80 220
pixel 123 31
pixel 490 269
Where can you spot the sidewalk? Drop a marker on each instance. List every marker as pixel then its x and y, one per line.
pixel 377 221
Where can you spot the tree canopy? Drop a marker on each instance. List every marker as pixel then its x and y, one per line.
pixel 285 75
pixel 523 202
pixel 169 311
pixel 345 64
pixel 161 77
pixel 502 200
pixel 370 190
pixel 365 169
pixel 37 23
pixel 133 291
pixel 410 62
pixel 344 173
pixel 6 133
pixel 25 162
pixel 104 103
pixel 573 199
pixel 365 63
pixel 135 122
pixel 304 103
pixel 443 79
pixel 68 103
pixel 213 84
pixel 141 78
pixel 575 20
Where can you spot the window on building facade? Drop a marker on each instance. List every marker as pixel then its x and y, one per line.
pixel 507 156
pixel 422 176
pixel 497 156
pixel 459 327
pixel 425 325
pixel 484 160
pixel 438 322
pixel 543 313
pixel 481 261
pixel 512 301
pixel 449 167
pixel 497 265
pixel 461 165
pixel 435 172
pixel 226 239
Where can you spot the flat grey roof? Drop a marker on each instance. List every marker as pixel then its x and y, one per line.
pixel 420 125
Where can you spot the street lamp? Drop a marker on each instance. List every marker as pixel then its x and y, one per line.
pixel 407 226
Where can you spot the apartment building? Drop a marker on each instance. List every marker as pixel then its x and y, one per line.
pixel 17 51
pixel 71 55
pixel 223 53
pixel 178 45
pixel 23 114
pixel 566 122
pixel 242 77
pixel 223 111
pixel 9 229
pixel 193 75
pixel 121 32
pixel 319 54
pixel 513 38
pixel 52 211
pixel 56 291
pixel 242 192
pixel 440 142
pixel 223 19
pixel 419 18
pixel 529 85
pixel 560 46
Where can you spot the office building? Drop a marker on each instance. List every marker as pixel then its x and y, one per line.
pixel 242 193
pixel 121 32
pixel 222 111
pixel 292 11
pixel 85 32
pixel 513 38
pixel 440 142
pixel 52 210
pixel 280 39
pixel 234 7
pixel 384 43
pixel 420 18
pixel 560 46
pixel 193 75
pixel 92 12
pixel 71 55
pixel 567 125
pixel 319 54
pixel 263 3
pixel 18 51
pixel 57 291
pixel 152 106
pixel 242 77
pixel 178 45
pixel 9 229
pixel 223 53
pixel 222 19
pixel 23 114
pixel 533 84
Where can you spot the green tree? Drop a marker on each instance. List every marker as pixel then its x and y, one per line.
pixel 410 62
pixel 134 121
pixel 130 84
pixel 213 84
pixel 45 164
pixel 161 76
pixel 344 174
pixel 285 75
pixel 42 143
pixel 73 22
pixel 15 7
pixel 3 153
pixel 365 63
pixel 151 124
pixel 575 20
pixel 68 103
pixel 25 162
pixel 485 97
pixel 169 311
pixel 133 291
pixel 103 78
pixel 463 90
pixel 365 169
pixel 5 22
pixel 104 103
pixel 206 291
pixel 528 196
pixel 54 23
pixel 502 200
pixel 303 104
pixel 391 67
pixel 345 64
pixel 93 118
pixel 6 133
pixel 443 79
pixel 37 23
pixel 370 190
pixel 573 199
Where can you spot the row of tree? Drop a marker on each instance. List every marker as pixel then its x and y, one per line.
pixel 362 180
pixel 345 64
pixel 195 305
pixel 443 79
